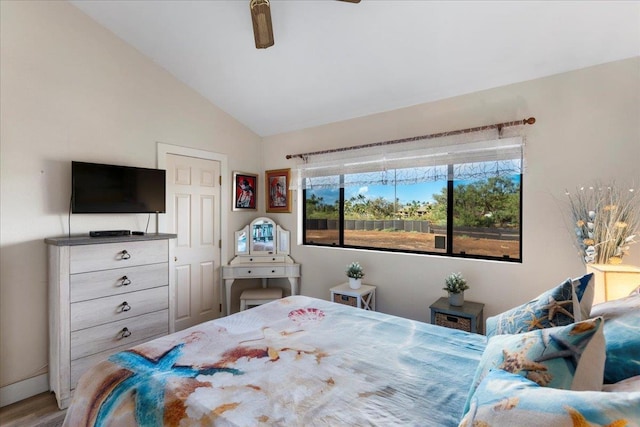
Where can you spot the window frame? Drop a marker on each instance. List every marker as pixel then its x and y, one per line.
pixel 449 227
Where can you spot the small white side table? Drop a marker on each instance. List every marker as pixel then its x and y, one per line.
pixel 364 297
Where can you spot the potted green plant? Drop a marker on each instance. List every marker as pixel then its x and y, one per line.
pixel 455 284
pixel 355 273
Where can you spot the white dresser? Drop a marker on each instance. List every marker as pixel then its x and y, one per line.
pixel 105 295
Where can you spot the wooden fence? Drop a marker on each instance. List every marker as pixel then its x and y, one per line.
pixel 418 226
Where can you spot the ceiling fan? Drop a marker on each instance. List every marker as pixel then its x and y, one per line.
pixel 261 18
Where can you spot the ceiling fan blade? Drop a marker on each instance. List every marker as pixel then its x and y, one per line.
pixel 261 19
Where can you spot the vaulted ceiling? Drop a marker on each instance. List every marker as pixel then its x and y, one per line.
pixel 334 60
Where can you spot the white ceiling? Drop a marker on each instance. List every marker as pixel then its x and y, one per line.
pixel 334 61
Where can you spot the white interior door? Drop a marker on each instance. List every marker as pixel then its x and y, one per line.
pixel 193 213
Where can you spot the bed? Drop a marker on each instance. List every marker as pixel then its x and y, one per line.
pixel 298 361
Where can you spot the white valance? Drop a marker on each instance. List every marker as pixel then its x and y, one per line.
pixel 473 155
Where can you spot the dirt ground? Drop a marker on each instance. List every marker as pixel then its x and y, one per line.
pixel 417 242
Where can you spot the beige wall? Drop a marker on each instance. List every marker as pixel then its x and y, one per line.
pixel 588 128
pixel 71 90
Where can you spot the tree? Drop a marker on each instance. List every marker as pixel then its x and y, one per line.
pixel 492 202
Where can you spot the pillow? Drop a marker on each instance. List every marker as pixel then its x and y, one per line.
pixel 556 307
pixel 505 399
pixel 584 287
pixel 630 384
pixel 568 357
pixel 622 334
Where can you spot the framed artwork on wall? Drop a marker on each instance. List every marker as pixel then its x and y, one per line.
pixel 278 195
pixel 244 191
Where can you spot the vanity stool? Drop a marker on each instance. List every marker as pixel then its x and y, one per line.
pixel 252 297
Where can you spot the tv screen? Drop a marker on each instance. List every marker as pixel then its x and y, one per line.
pixel 98 188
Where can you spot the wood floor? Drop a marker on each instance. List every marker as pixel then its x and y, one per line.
pixel 37 411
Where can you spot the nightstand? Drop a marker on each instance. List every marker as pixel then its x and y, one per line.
pixel 468 317
pixel 364 297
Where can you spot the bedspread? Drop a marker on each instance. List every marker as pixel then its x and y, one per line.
pixel 298 361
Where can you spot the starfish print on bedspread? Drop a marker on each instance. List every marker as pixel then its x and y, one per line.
pixel 579 420
pixel 148 380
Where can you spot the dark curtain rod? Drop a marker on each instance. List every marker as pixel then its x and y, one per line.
pixel 499 126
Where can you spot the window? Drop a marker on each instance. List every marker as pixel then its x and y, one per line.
pixel 462 208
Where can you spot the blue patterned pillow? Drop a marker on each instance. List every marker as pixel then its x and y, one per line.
pixel 568 357
pixel 622 334
pixel 584 287
pixel 505 399
pixel 556 307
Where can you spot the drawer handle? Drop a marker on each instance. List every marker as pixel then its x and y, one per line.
pixel 125 281
pixel 125 306
pixel 250 259
pixel 452 319
pixel 249 272
pixel 273 271
pixel 125 333
pixel 125 255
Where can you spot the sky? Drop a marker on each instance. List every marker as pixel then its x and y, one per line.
pixel 422 192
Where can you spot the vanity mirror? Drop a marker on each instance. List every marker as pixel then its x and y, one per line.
pixel 262 237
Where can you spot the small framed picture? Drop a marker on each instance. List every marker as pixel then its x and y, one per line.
pixel 278 195
pixel 244 191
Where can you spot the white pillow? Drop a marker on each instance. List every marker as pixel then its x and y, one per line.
pixel 630 384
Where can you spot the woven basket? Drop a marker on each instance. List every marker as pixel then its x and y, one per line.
pixel 454 322
pixel 345 299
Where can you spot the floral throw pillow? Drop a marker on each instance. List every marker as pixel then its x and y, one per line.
pixel 568 357
pixel 556 307
pixel 622 333
pixel 506 399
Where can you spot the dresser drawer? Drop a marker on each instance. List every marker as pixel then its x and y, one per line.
pixel 86 314
pixel 259 271
pixel 94 340
pixel 79 366
pixel 84 286
pixel 117 255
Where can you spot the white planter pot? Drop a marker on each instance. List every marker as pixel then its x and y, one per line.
pixel 355 283
pixel 456 300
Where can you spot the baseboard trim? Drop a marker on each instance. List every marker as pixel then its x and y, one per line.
pixel 23 389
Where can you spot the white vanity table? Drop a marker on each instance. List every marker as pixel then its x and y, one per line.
pixel 262 252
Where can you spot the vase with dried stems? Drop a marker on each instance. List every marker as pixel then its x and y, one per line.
pixel 606 222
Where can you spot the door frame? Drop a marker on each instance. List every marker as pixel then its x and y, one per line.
pixel 225 197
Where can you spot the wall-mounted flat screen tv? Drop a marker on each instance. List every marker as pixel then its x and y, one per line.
pixel 99 188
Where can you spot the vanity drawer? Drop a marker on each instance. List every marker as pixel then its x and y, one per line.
pixel 259 272
pixel 85 258
pixel 94 340
pixel 98 284
pixel 263 259
pixel 86 314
